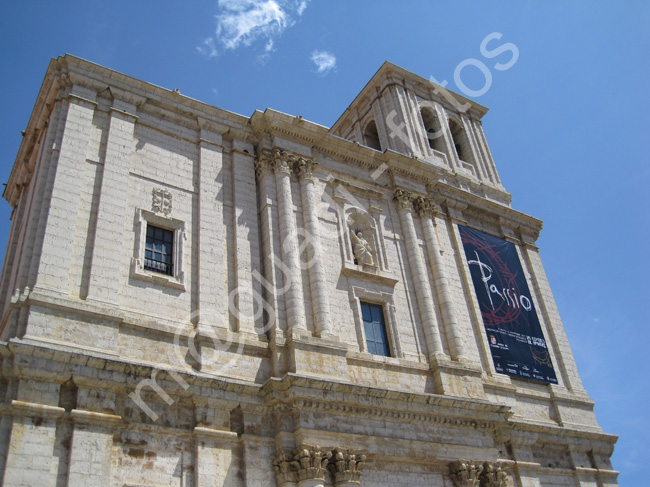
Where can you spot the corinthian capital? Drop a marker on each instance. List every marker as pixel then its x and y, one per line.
pixel 263 165
pixel 404 199
pixel 304 168
pixel 493 475
pixel 281 161
pixel 304 463
pixel 425 207
pixel 465 474
pixel 346 465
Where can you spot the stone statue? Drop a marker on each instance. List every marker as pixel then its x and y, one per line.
pixel 361 249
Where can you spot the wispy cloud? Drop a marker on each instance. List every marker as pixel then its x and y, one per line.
pixel 324 61
pixel 243 22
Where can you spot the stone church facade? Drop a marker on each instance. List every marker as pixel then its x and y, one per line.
pixel 191 297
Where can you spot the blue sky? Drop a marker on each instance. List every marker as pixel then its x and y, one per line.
pixel 566 124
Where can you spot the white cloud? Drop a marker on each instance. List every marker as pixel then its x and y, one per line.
pixel 208 49
pixel 242 22
pixel 324 61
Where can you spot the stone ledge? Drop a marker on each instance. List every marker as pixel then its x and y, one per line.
pixel 362 274
pixel 22 408
pixel 90 417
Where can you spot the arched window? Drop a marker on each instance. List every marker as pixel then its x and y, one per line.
pixel 433 129
pixel 371 136
pixel 459 140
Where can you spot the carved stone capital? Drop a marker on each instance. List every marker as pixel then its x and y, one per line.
pixel 304 168
pixel 493 475
pixel 286 468
pixel 465 474
pixel 312 462
pixel 281 161
pixel 346 466
pixel 304 463
pixel 404 199
pixel 263 166
pixel 425 207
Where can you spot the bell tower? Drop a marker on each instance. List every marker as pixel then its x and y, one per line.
pixel 402 112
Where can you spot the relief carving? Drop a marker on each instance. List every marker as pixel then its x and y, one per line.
pixel 161 201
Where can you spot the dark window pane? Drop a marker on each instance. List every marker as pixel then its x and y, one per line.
pixel 159 250
pixel 375 328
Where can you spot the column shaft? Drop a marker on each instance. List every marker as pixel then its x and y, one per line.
pixel 290 254
pixel 443 292
pixel 420 279
pixel 317 283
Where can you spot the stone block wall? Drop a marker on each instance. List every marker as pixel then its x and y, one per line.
pixel 247 364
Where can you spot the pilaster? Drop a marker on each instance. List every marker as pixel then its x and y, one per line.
pixel 90 449
pixel 247 292
pixel 54 261
pixel 104 278
pixel 212 301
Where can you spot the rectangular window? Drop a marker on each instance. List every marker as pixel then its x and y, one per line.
pixel 158 250
pixel 375 328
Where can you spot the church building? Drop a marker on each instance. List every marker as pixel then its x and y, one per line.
pixel 196 298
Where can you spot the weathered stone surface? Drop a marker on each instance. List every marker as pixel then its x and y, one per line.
pixel 251 346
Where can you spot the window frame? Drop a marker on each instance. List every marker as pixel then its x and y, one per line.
pixel 385 300
pixel 384 338
pixel 145 218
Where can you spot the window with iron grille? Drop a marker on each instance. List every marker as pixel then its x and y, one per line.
pixel 159 250
pixel 375 328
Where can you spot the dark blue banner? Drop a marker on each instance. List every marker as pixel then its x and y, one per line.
pixel 514 334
